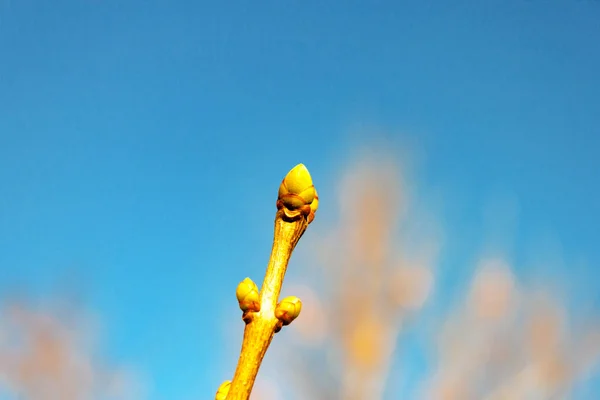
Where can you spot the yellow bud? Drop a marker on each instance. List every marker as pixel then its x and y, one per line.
pixel 288 309
pixel 298 179
pixel 223 390
pixel 247 295
pixel 296 189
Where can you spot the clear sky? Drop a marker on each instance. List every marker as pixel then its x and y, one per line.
pixel 142 143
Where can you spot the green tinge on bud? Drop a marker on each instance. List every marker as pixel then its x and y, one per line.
pixel 288 309
pixel 247 295
pixel 315 203
pixel 313 208
pixel 297 189
pixel 223 390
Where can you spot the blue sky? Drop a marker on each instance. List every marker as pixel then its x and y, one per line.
pixel 139 140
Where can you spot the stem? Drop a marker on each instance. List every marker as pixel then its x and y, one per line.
pixel 262 325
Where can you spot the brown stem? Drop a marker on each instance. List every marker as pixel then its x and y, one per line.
pixel 262 325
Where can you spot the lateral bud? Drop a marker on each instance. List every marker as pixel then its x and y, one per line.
pixel 247 295
pixel 223 391
pixel 288 310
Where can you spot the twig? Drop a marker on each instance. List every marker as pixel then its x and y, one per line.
pixel 264 316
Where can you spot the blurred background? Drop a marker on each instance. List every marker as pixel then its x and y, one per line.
pixel 454 146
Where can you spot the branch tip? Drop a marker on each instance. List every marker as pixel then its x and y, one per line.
pixel 297 189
